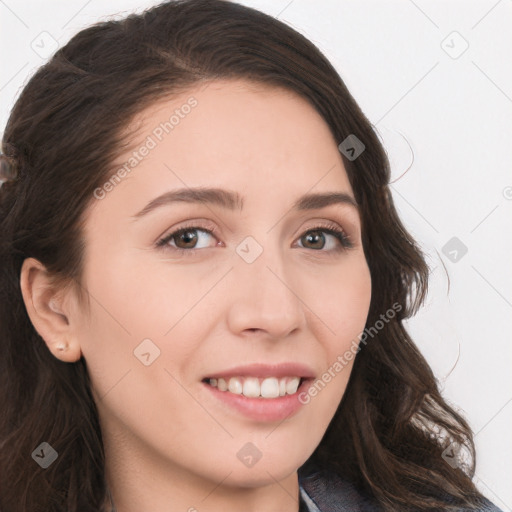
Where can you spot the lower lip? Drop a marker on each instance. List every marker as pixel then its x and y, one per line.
pixel 263 409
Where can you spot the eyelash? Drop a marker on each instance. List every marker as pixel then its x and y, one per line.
pixel 328 228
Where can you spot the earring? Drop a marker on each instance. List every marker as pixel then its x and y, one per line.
pixel 61 347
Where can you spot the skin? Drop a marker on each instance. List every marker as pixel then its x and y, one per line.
pixel 170 444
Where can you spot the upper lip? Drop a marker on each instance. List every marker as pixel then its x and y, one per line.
pixel 265 370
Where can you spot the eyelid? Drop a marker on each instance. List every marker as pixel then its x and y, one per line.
pixel 328 226
pixel 332 228
pixel 195 224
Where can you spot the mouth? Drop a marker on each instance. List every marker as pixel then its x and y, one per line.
pixel 257 387
pixel 264 393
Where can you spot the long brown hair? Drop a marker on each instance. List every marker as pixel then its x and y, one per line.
pixel 61 140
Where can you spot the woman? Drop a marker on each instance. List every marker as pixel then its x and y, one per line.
pixel 205 282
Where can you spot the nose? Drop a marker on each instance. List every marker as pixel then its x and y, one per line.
pixel 263 299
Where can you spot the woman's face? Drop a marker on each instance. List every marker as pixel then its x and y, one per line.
pixel 266 288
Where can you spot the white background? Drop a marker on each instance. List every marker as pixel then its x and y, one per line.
pixel 400 60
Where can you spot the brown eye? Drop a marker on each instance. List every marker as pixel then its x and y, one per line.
pixel 325 240
pixel 186 239
pixel 313 240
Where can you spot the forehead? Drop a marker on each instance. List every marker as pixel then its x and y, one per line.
pixel 259 140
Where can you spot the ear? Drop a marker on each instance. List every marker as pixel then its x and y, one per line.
pixel 47 309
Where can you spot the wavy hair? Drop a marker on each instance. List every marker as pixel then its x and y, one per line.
pixel 62 137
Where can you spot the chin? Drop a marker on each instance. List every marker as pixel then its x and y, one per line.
pixel 260 477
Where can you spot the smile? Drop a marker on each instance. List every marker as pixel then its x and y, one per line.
pixel 254 387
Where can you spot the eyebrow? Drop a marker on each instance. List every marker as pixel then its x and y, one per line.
pixel 232 200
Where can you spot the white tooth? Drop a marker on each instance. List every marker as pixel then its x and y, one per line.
pixel 235 385
pixel 292 385
pixel 213 382
pixel 221 384
pixel 251 387
pixel 282 386
pixel 270 388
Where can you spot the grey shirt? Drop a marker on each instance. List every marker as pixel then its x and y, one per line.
pixel 321 491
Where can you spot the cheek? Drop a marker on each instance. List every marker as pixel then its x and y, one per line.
pixel 149 296
pixel 140 307
pixel 340 300
pixel 340 307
